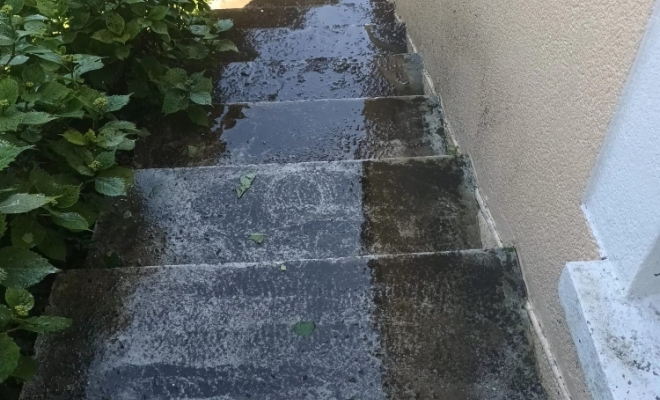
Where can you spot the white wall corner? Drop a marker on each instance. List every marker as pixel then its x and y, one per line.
pixel 613 306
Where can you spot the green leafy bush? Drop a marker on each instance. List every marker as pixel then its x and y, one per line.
pixel 69 71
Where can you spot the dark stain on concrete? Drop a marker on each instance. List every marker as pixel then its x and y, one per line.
pixel 453 326
pixel 422 205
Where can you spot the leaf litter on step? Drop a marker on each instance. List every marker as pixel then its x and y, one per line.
pixel 304 328
pixel 245 184
pixel 258 238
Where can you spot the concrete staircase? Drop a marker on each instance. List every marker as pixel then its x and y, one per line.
pixel 371 238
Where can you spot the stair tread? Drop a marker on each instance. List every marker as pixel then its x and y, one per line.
pixel 320 78
pixel 308 210
pixel 301 44
pixel 297 17
pixel 285 132
pixel 444 325
pixel 301 3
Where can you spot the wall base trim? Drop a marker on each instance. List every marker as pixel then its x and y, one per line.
pixel 615 336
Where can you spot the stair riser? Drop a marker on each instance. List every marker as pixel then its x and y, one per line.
pixel 326 130
pixel 314 210
pixel 322 78
pixel 310 17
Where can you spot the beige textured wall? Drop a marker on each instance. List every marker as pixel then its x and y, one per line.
pixel 529 87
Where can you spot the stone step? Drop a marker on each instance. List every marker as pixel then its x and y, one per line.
pixel 431 326
pixel 320 78
pixel 239 4
pixel 307 210
pixel 285 132
pixel 310 17
pixel 302 44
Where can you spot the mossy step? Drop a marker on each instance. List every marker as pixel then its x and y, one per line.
pixel 306 210
pixel 297 17
pixel 431 326
pixel 320 78
pixel 287 132
pixel 302 44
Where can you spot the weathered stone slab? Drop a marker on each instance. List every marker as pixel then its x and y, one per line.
pixel 297 17
pixel 320 78
pixel 310 3
pixel 285 132
pixel 302 44
pixel 435 326
pixel 307 210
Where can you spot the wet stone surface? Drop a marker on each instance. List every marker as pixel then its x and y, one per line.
pixel 310 17
pixel 320 78
pixel 287 132
pixel 312 3
pixel 308 210
pixel 302 44
pixel 437 326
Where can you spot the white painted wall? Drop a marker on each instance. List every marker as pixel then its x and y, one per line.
pixel 622 202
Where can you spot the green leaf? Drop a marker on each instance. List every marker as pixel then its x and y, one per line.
pixel 23 202
pixel 67 195
pixel 36 118
pixel 9 356
pixel 35 74
pixel 11 61
pixel 193 50
pixel 132 28
pixel 53 246
pixel 9 152
pixel 105 160
pixel 200 90
pixel 23 267
pixel 74 156
pixel 114 181
pixel 245 184
pixel 198 115
pixel 70 220
pixel 9 91
pixel 225 45
pixel 75 137
pixel 26 232
pixel 192 151
pixel 104 35
pixel 6 315
pixel 3 227
pixel 122 52
pixel 44 324
pixel 52 93
pixel 86 63
pixel 10 122
pixel 176 77
pixel 200 30
pixel 304 328
pixel 116 102
pixel 158 13
pixel 114 22
pixel 257 237
pixel 17 6
pixel 175 100
pixel 26 368
pixel 160 27
pixel 224 25
pixel 20 300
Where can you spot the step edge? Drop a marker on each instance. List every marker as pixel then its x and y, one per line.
pixel 496 252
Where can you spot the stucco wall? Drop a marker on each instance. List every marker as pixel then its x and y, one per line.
pixel 529 88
